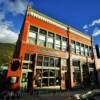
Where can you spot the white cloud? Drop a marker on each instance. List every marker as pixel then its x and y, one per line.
pixel 14 6
pixel 96 32
pixel 6 34
pixel 85 26
pixel 97 21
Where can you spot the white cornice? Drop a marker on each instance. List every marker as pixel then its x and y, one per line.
pixel 46 20
pixel 36 15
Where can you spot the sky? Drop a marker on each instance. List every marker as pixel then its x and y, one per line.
pixel 83 15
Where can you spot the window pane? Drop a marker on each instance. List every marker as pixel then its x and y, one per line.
pixel 57 62
pixel 46 61
pixel 25 65
pixel 73 48
pixel 52 73
pixel 50 40
pixel 77 47
pixel 64 44
pixel 58 42
pixel 39 60
pixel 42 37
pixel 86 50
pixel 45 82
pixel 26 57
pixel 33 28
pixel 52 81
pixel 45 72
pixel 52 62
pixel 82 49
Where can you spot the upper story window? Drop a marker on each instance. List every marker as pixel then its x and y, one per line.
pixel 82 49
pixel 73 47
pixel 64 43
pixel 50 40
pixel 32 34
pixel 42 37
pixel 58 42
pixel 77 47
pixel 86 50
pixel 90 51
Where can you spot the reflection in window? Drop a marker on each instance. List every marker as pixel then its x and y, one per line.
pixel 52 62
pixel 82 49
pixel 46 61
pixel 52 73
pixel 77 47
pixel 73 48
pixel 45 82
pixel 25 65
pixel 57 62
pixel 90 51
pixel 39 60
pixel 42 37
pixel 86 50
pixel 32 35
pixel 52 81
pixel 64 44
pixel 58 42
pixel 45 73
pixel 24 77
pixel 50 40
pixel 26 57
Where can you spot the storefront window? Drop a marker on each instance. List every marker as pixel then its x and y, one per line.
pixel 51 62
pixel 26 57
pixel 39 60
pixel 46 61
pixel 57 62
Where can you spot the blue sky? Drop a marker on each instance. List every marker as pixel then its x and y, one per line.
pixel 83 15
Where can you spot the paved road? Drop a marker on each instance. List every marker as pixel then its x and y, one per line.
pixel 51 96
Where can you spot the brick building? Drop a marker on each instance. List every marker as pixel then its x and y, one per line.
pixel 51 55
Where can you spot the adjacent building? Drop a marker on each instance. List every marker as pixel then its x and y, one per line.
pixel 51 55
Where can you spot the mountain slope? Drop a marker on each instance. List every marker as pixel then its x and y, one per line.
pixel 6 52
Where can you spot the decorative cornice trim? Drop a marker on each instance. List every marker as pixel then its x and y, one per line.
pixel 49 20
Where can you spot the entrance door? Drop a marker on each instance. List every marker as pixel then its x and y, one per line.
pixel 85 74
pixel 30 80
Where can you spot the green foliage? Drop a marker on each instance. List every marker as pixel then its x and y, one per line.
pixel 6 52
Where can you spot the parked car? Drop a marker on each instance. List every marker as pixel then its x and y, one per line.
pixel 90 95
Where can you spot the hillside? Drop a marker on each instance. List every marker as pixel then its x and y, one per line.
pixel 6 52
